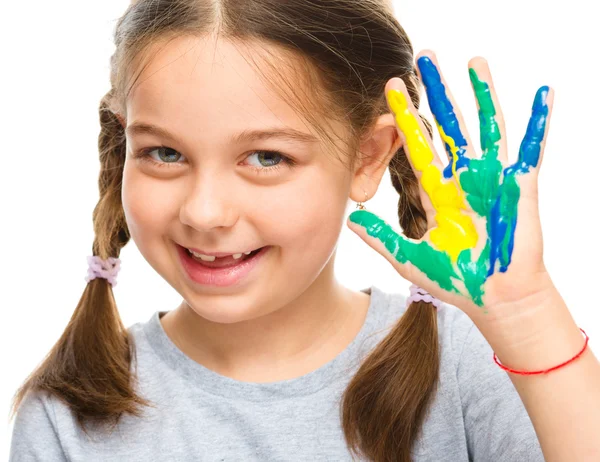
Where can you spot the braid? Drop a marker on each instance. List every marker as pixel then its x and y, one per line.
pixel 89 367
pixel 408 358
pixel 110 227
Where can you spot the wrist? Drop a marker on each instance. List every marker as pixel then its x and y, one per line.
pixel 546 370
pixel 537 337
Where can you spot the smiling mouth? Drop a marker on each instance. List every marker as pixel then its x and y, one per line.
pixel 223 262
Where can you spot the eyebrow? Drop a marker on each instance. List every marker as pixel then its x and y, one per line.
pixel 140 128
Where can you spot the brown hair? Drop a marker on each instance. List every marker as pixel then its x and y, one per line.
pixel 345 51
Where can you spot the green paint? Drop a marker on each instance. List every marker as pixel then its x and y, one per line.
pixel 504 212
pixel 510 194
pixel 489 131
pixel 480 184
pixel 436 265
pixel 492 193
pixel 474 274
pixel 481 181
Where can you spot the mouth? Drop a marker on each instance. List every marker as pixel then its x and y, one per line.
pixel 222 272
pixel 223 262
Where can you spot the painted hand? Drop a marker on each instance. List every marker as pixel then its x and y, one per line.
pixel 475 254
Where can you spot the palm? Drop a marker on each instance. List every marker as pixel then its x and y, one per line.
pixel 473 203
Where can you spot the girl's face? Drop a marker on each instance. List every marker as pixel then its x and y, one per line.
pixel 215 189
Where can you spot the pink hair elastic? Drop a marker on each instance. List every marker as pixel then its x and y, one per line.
pixel 417 294
pixel 107 269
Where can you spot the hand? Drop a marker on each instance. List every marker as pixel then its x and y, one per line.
pixel 483 247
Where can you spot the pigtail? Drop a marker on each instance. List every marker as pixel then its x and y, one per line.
pixel 385 403
pixel 89 366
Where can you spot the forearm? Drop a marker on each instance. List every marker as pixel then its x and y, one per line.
pixel 564 404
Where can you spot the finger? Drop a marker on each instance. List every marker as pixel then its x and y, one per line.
pixel 448 118
pixel 532 147
pixel 455 230
pixel 504 217
pixel 403 253
pixel 492 131
pixel 417 140
pixel 417 143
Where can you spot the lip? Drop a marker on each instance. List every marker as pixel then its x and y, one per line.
pixel 219 277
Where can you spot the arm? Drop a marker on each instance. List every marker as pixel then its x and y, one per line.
pixel 564 405
pixel 483 253
pixel 34 436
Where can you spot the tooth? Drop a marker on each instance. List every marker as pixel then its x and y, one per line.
pixel 248 253
pixel 237 255
pixel 203 257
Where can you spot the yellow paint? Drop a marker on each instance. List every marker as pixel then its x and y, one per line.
pixel 455 230
pixel 454 150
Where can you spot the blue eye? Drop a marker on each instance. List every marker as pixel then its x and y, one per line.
pixel 269 158
pixel 165 155
pixel 262 155
pixel 269 161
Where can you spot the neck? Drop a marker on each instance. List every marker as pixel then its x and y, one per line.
pixel 289 342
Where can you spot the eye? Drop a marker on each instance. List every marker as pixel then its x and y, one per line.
pixel 163 156
pixel 166 156
pixel 274 160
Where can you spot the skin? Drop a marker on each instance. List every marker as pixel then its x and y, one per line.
pixel 524 317
pixel 291 316
pixel 303 318
pixel 445 255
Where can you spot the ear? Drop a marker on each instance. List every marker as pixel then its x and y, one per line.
pixel 376 151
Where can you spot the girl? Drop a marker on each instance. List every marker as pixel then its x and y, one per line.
pixel 231 139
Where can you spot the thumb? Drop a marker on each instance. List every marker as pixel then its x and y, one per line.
pixel 415 260
pixel 376 232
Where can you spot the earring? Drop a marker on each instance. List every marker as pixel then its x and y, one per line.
pixel 360 205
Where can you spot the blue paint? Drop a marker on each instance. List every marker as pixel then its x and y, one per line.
pixel 443 111
pixel 529 152
pixel 504 213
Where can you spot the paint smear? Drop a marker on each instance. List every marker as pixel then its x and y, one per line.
pixel 436 265
pixel 455 230
pixel 491 192
pixel 445 117
pixel 504 213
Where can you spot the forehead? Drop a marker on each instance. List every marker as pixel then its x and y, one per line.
pixel 207 83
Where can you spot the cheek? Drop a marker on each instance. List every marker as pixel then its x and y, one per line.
pixel 308 219
pixel 146 203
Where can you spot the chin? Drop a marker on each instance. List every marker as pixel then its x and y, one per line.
pixel 226 315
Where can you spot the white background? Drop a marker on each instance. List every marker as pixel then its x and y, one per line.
pixel 55 59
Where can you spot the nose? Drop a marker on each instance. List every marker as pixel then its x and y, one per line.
pixel 208 204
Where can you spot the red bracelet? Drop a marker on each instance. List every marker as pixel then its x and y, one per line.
pixel 547 370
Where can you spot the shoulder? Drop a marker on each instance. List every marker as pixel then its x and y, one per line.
pixel 35 432
pixel 36 407
pixel 138 337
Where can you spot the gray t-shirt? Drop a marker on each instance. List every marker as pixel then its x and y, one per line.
pixel 203 416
